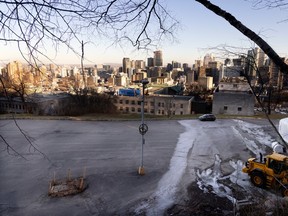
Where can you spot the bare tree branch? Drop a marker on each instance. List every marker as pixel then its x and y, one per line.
pixel 247 32
pixel 32 23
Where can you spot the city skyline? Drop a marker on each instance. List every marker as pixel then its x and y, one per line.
pixel 199 30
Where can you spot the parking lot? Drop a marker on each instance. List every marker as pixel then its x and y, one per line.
pixel 110 152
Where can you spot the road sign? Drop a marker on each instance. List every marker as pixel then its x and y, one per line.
pixel 143 128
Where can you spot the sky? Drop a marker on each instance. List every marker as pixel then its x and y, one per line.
pixel 199 30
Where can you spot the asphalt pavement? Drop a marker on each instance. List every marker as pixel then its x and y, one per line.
pixel 110 153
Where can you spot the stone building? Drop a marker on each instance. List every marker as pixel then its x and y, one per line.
pixel 155 104
pixel 233 97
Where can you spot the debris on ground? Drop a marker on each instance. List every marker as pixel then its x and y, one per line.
pixel 66 187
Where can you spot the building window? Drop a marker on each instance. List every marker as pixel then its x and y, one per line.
pixel 145 103
pixel 239 109
pixel 139 102
pixel 181 113
pixel 235 85
pixel 152 111
pixel 151 103
pixel 120 101
pixel 127 109
pixel 133 102
pixel 159 111
pixel 162 112
pixel 139 110
pixel 162 104
pixel 225 107
pixel 127 101
pixel 181 105
pixel 145 111
pixel 159 104
pixel 133 109
pixel 121 108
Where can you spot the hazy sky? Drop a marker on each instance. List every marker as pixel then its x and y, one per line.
pixel 199 30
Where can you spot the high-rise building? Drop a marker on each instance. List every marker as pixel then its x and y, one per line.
pixel 15 71
pixel 139 64
pixel 158 58
pixel 276 77
pixel 256 59
pixel 208 58
pixel 259 57
pixel 150 62
pixel 198 64
pixel 176 64
pixel 185 65
pixel 214 64
pixel 126 65
pixel 190 77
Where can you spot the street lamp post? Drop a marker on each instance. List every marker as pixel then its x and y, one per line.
pixel 143 128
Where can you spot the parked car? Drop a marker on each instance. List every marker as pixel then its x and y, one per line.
pixel 207 117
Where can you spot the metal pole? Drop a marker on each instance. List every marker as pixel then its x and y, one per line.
pixel 142 122
pixel 143 128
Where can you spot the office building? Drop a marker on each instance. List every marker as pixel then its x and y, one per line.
pixel 150 62
pixel 158 58
pixel 126 64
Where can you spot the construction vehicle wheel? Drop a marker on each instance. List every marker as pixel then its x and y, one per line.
pixel 258 179
pixel 284 191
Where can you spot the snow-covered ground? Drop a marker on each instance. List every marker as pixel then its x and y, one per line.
pixel 209 180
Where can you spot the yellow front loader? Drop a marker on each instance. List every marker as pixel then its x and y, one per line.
pixel 269 172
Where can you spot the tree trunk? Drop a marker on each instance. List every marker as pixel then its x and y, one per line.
pixel 249 33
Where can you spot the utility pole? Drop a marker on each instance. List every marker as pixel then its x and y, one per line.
pixel 143 128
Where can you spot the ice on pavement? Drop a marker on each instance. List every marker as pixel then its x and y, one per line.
pixel 167 186
pixel 209 180
pixel 256 132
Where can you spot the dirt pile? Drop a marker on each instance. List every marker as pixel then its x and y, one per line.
pixel 202 204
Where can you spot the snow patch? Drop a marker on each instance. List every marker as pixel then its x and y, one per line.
pixel 167 186
pixel 209 181
pixel 256 132
pixel 250 144
pixel 238 177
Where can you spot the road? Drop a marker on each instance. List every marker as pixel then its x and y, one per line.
pixel 176 153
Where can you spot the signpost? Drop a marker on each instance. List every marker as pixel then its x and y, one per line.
pixel 143 128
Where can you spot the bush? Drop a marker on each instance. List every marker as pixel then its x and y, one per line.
pixel 85 104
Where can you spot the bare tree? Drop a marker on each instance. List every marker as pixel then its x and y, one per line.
pixel 263 86
pixel 283 4
pixel 33 24
pixel 269 51
pixel 17 88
